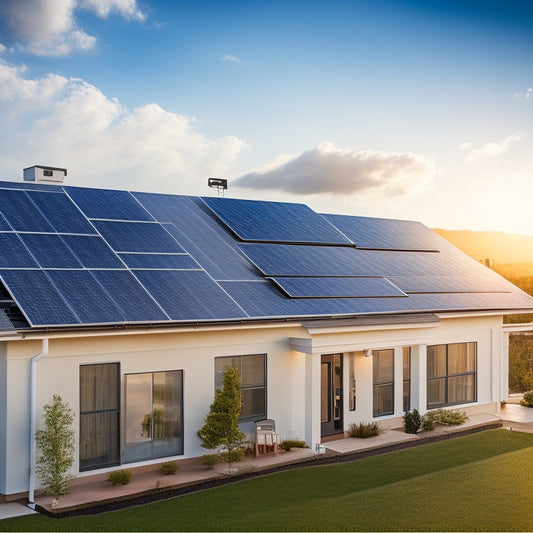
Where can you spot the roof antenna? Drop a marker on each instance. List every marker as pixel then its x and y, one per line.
pixel 219 184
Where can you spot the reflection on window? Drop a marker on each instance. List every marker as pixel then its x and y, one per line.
pixel 99 415
pixel 252 370
pixel 351 368
pixel 153 421
pixel 383 371
pixel 451 374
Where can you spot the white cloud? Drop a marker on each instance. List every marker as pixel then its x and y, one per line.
pixel 524 96
pixel 234 59
pixel 49 27
pixel 493 149
pixel 330 170
pixel 71 123
pixel 465 146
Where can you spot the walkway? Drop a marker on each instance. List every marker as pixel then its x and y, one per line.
pixel 96 489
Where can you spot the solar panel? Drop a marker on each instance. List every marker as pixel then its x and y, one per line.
pixel 338 287
pixel 386 234
pixel 4 226
pixel 315 261
pixel 107 204
pixel 437 284
pixel 21 214
pixel 92 252
pixel 259 221
pixel 50 251
pixel 148 237
pixel 188 295
pixel 60 212
pixel 127 293
pixel 160 261
pixel 14 254
pixel 194 228
pixel 85 296
pixel 37 298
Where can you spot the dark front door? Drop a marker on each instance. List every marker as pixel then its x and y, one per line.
pixel 331 394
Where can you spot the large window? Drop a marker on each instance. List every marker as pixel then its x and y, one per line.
pixel 99 415
pixel 383 361
pixel 252 370
pixel 154 418
pixel 451 374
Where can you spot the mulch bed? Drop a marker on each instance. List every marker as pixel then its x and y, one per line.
pixel 156 495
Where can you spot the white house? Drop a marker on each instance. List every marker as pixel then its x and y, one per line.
pixel 130 305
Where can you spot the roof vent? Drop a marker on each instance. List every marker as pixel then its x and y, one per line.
pixel 40 173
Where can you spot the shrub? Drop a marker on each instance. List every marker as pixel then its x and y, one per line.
pixel 527 400
pixel 232 456
pixel 55 444
pixel 292 443
pixel 412 421
pixel 364 430
pixel 442 416
pixel 119 477
pixel 170 467
pixel 209 460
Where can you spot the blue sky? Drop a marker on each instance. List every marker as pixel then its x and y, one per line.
pixel 401 109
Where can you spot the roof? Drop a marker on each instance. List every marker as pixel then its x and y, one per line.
pixel 72 256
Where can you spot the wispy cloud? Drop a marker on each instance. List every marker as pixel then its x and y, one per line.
pixel 492 149
pixel 71 123
pixel 50 28
pixel 528 95
pixel 234 59
pixel 330 170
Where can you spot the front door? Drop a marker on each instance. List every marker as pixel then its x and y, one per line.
pixel 331 394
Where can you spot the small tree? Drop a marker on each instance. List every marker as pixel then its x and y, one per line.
pixel 221 429
pixel 55 444
pixel 412 421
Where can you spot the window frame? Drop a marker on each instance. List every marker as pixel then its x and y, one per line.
pixel 249 418
pixel 406 351
pixel 447 376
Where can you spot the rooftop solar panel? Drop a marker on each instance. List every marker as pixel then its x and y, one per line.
pixel 386 234
pixel 50 250
pixel 338 287
pixel 37 297
pixel 60 212
pixel 92 252
pixel 21 214
pixel 259 221
pixel 194 228
pixel 437 284
pixel 188 295
pixel 160 261
pixel 129 296
pixel 85 296
pixel 13 252
pixel 107 204
pixel 148 237
pixel 4 226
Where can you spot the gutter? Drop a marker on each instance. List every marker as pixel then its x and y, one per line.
pixel 33 416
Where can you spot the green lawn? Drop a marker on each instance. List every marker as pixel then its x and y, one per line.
pixel 481 482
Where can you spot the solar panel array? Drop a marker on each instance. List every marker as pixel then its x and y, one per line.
pixel 72 256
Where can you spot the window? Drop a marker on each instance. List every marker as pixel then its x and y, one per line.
pixel 48 173
pixel 351 368
pixel 406 378
pixel 451 374
pixel 252 370
pixel 99 415
pixel 383 361
pixel 154 418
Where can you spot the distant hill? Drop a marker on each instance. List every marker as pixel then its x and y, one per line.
pixel 510 252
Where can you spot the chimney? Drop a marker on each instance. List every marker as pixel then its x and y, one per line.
pixel 39 173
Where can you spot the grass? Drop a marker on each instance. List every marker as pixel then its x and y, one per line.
pixel 479 482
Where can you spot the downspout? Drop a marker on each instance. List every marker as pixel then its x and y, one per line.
pixel 33 416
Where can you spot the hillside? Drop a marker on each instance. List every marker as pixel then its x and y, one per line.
pixel 512 254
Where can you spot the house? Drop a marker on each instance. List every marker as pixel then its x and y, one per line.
pixel 130 305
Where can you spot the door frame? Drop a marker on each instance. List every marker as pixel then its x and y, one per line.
pixel 331 394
